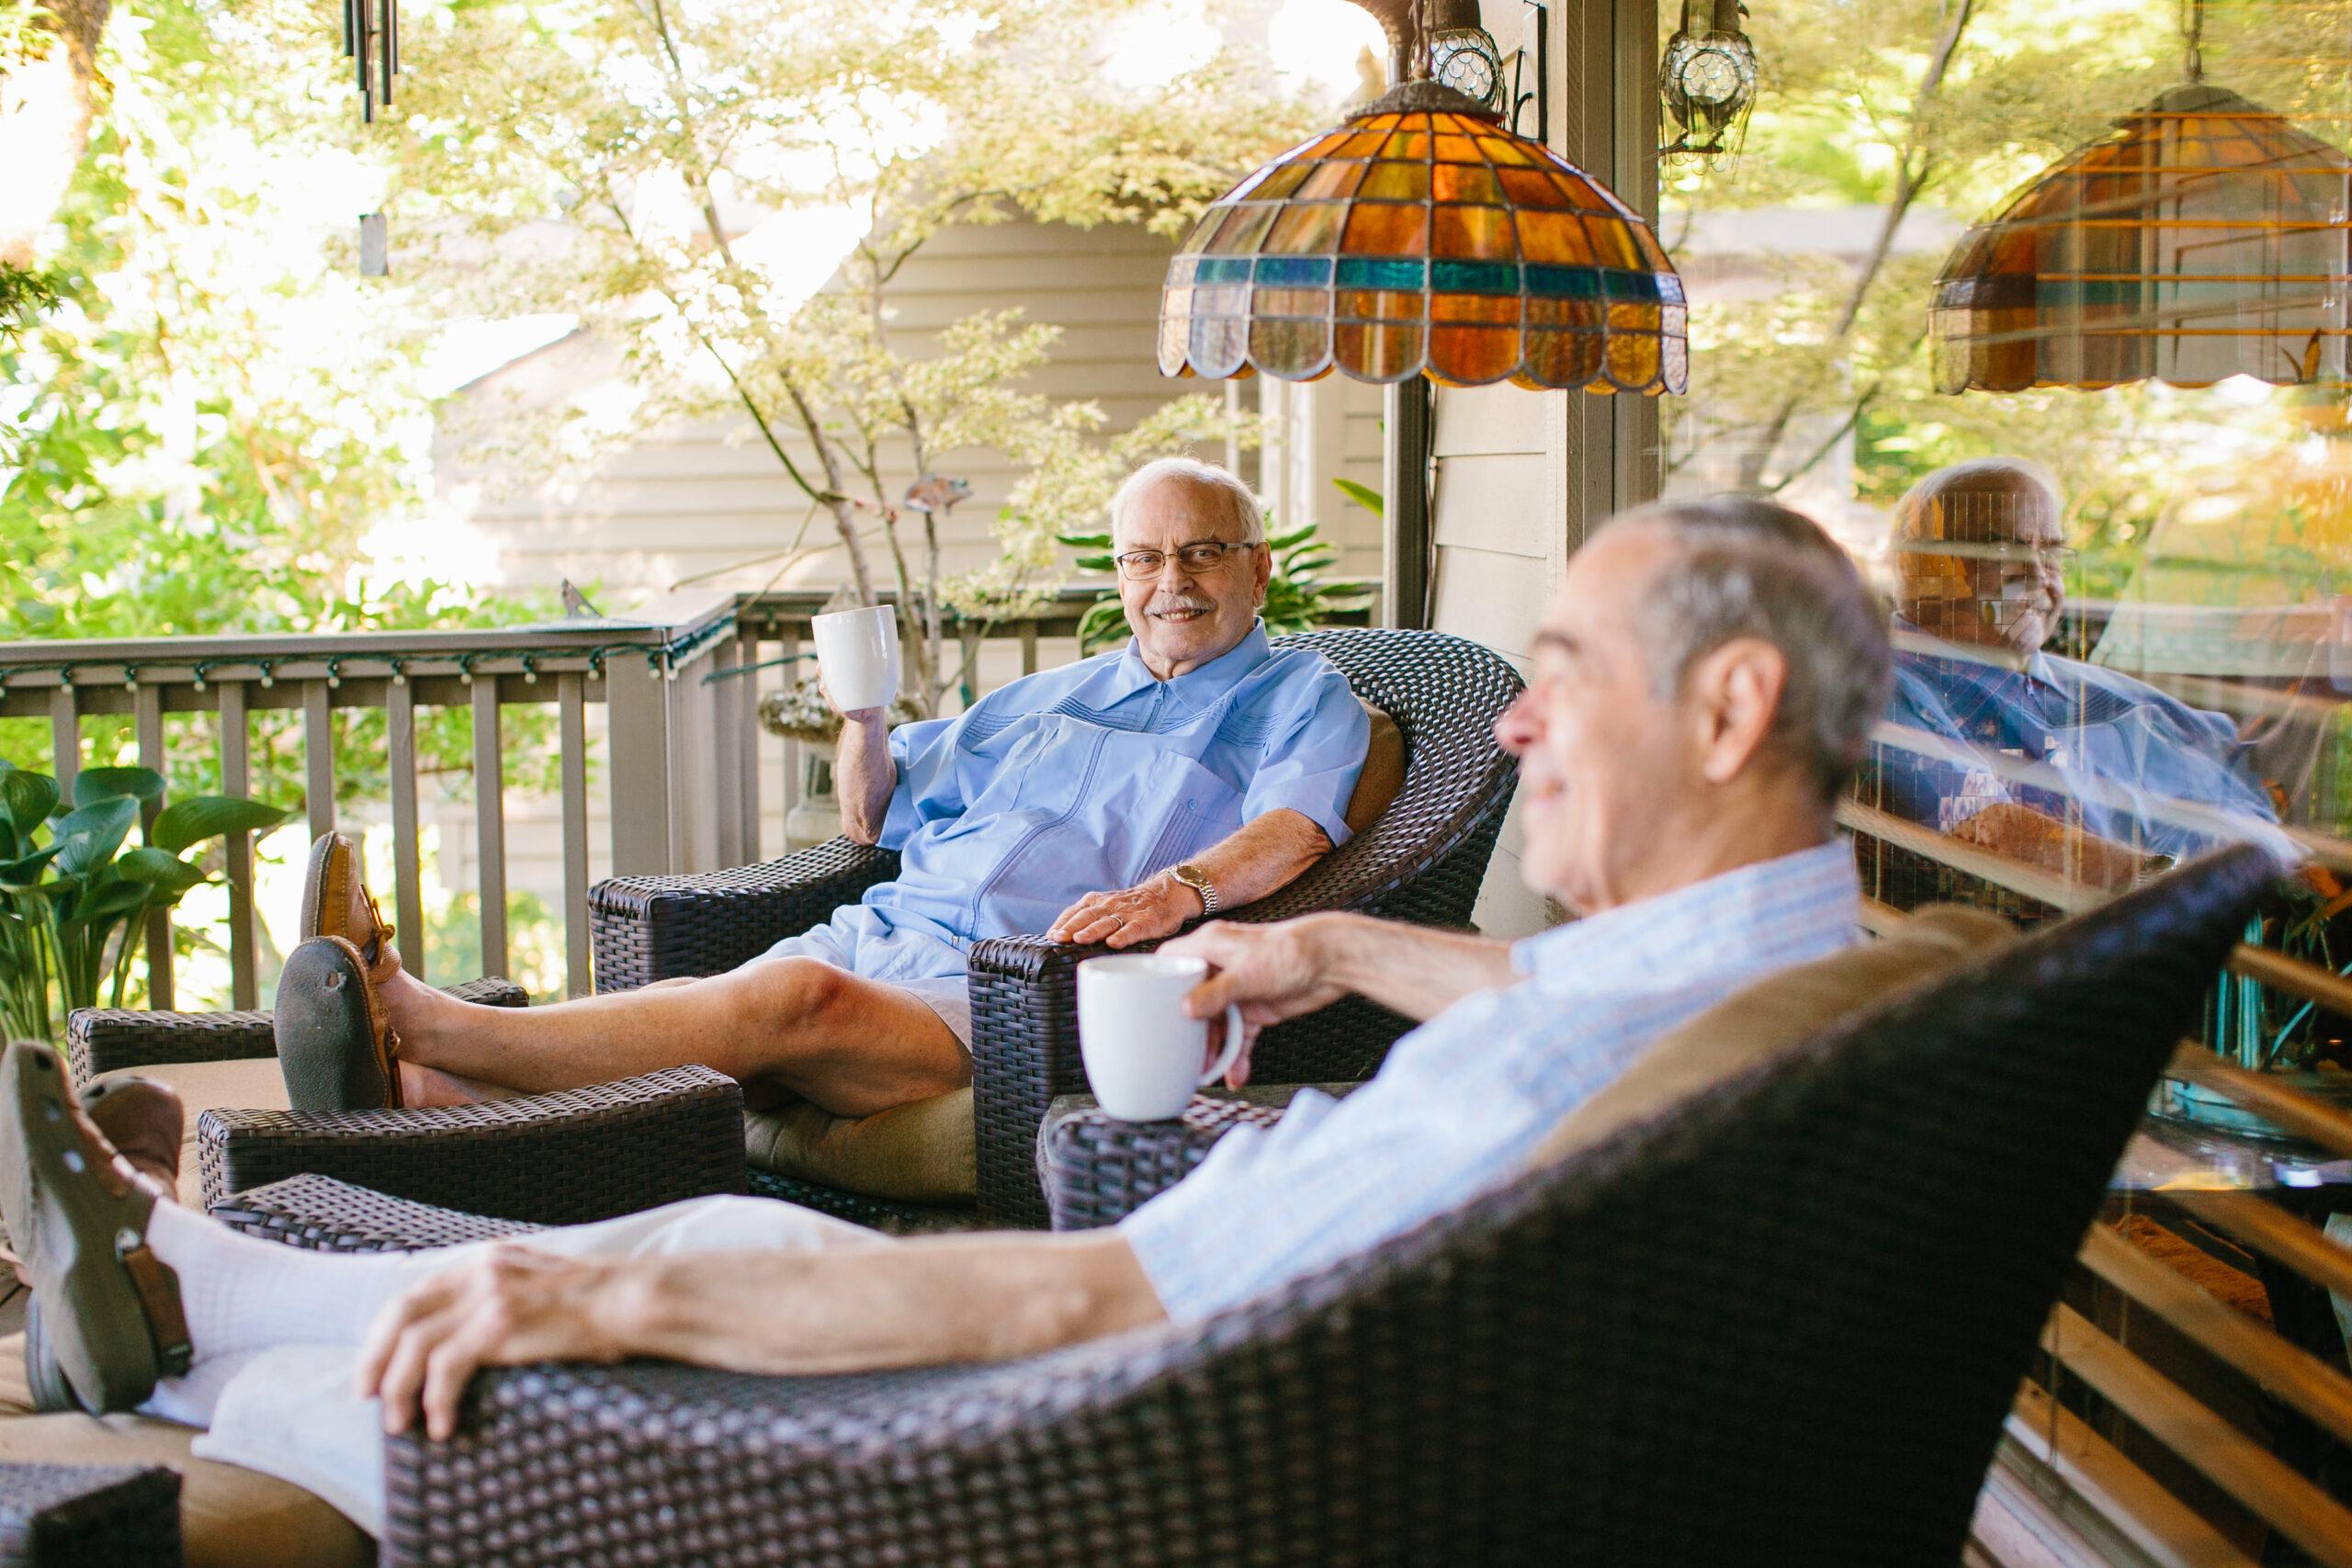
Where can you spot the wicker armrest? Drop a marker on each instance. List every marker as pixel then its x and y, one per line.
pixel 1096 1169
pixel 92 1514
pixel 100 1039
pixel 558 1159
pixel 645 929
pixel 322 1214
pixel 1024 1054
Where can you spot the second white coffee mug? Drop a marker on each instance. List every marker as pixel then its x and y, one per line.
pixel 858 651
pixel 1143 1054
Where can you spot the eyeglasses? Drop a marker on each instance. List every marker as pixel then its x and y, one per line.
pixel 2063 557
pixel 1201 555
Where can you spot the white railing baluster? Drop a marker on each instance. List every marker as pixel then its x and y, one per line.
pixel 318 757
pixel 147 719
pixel 407 880
pixel 489 824
pixel 572 710
pixel 236 778
pixel 721 703
pixel 744 722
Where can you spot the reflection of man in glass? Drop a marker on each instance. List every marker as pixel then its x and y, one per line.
pixel 1980 562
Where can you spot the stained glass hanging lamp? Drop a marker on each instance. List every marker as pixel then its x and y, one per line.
pixel 1425 237
pixel 2206 238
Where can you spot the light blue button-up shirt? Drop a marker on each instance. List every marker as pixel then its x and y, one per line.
pixel 1462 1100
pixel 1086 779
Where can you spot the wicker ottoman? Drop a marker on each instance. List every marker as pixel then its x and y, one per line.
pixel 89 1516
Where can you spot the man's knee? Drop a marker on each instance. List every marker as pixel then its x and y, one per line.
pixel 789 992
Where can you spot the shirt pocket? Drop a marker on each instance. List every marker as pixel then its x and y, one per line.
pixel 1155 808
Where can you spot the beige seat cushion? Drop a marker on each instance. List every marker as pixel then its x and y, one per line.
pixel 1384 772
pixel 922 1152
pixel 1775 1015
pixel 248 1084
pixel 230 1516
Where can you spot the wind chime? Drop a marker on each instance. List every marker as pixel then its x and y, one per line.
pixel 1707 80
pixel 371 38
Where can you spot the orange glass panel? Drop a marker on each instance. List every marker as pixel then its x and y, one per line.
pixel 1553 237
pixel 1457 150
pixel 1633 359
pixel 1653 254
pixel 1306 229
pixel 1532 188
pixel 1500 150
pixel 1290 349
pixel 1377 305
pixel 1382 231
pixel 1472 357
pixel 1396 182
pixel 1561 359
pixel 1283 182
pixel 1474 232
pixel 1611 245
pixel 1378 353
pixel 1315 303
pixel 1466 182
pixel 1491 308
pixel 1332 180
pixel 1627 316
pixel 1583 315
pixel 1243 231
pixel 1411 146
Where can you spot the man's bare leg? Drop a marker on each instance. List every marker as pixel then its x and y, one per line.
pixel 851 1045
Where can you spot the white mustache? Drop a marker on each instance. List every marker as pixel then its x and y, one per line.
pixel 1182 601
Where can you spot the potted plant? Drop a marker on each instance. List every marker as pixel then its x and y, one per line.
pixel 74 902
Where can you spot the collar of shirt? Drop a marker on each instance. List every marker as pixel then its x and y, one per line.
pixel 1812 897
pixel 1123 677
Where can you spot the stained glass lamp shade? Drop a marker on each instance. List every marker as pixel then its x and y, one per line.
pixel 2207 237
pixel 1423 238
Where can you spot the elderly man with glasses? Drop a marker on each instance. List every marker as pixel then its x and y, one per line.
pixel 2077 768
pixel 1110 801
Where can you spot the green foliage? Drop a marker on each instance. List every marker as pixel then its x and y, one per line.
pixel 1363 495
pixel 1297 599
pixel 74 902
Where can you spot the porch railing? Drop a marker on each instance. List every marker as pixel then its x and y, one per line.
pixel 682 741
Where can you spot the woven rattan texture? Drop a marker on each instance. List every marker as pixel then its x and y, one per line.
pixel 889 1216
pixel 88 1515
pixel 643 929
pixel 1782 1323
pixel 1422 860
pixel 1096 1169
pixel 582 1154
pixel 100 1039
pixel 322 1215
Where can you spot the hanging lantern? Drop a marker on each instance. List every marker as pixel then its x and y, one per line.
pixel 1707 80
pixel 1424 238
pixel 371 37
pixel 2207 237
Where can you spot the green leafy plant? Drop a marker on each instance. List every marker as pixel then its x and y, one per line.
pixel 74 902
pixel 1296 596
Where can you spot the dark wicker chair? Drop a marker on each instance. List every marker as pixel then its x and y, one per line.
pixel 1779 1323
pixel 1422 860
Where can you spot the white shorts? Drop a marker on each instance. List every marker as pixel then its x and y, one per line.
pixel 946 994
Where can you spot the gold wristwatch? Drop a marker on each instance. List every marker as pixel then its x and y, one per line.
pixel 1196 879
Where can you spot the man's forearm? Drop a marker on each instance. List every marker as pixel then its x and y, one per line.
pixel 911 1303
pixel 864 775
pixel 1409 969
pixel 1263 857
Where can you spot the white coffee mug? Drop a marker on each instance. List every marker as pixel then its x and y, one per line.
pixel 858 651
pixel 1143 1054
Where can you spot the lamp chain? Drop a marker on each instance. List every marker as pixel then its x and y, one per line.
pixel 2192 28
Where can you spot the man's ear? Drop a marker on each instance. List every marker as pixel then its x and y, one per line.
pixel 1734 694
pixel 1262 562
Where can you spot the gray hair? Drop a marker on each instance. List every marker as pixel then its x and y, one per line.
pixel 1995 484
pixel 1751 568
pixel 1238 496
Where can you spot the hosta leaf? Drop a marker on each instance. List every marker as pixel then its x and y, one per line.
pixel 1086 541
pixel 1285 541
pixel 202 817
pixel 107 905
pixel 19 876
pixel 94 784
pixel 159 868
pixel 88 836
pixel 1371 500
pixel 29 798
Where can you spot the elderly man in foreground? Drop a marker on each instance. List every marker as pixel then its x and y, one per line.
pixel 1110 801
pixel 1702 686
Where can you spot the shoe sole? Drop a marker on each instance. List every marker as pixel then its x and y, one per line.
pixel 314 884
pixel 65 1226
pixel 328 1023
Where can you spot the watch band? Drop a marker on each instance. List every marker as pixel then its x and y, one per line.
pixel 1196 879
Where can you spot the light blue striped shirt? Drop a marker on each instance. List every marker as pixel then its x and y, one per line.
pixel 1464 1099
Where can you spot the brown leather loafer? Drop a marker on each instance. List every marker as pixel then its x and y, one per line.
pixel 335 902
pixel 110 1317
pixel 144 1121
pixel 335 1045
